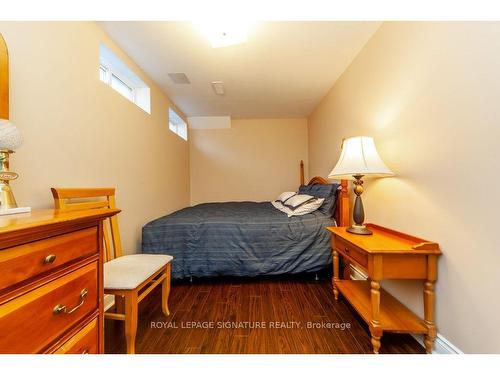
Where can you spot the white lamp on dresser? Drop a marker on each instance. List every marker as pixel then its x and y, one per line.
pixel 10 139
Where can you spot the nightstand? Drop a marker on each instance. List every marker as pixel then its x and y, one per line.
pixel 387 254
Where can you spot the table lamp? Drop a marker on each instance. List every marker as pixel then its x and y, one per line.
pixel 359 158
pixel 10 139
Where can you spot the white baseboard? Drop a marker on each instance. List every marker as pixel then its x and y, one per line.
pixel 109 301
pixel 441 345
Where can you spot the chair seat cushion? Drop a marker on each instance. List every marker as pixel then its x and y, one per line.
pixel 129 271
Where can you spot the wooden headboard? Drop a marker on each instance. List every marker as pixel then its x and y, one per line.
pixel 341 213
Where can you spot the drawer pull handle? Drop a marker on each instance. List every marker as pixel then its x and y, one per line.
pixel 58 309
pixel 49 259
pixel 347 250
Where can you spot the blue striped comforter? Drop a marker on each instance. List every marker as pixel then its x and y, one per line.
pixel 239 239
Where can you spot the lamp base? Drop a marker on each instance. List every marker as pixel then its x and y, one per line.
pixel 359 229
pixel 358 213
pixel 7 199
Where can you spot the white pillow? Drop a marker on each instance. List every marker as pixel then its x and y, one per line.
pixel 308 207
pixel 304 209
pixel 278 205
pixel 286 195
pixel 298 200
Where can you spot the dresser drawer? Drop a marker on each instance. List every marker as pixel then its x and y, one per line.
pixel 350 251
pixel 26 261
pixel 34 320
pixel 85 341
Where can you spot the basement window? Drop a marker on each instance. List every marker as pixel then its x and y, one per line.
pixel 177 124
pixel 116 74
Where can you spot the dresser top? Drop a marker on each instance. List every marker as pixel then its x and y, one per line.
pixel 385 240
pixel 48 217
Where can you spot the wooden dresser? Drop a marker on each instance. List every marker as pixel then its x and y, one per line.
pixel 51 290
pixel 387 254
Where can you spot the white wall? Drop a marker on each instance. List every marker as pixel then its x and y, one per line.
pixel 254 160
pixel 429 95
pixel 79 132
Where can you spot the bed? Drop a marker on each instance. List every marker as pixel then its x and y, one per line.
pixel 245 238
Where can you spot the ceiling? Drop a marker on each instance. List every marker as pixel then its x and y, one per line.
pixel 283 70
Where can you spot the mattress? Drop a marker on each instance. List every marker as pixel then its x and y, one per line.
pixel 239 239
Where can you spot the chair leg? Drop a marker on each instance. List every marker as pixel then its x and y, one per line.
pixel 119 304
pixel 131 307
pixel 165 291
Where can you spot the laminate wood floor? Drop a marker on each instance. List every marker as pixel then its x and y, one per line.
pixel 290 312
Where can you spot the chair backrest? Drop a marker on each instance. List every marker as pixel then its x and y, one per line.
pixel 74 199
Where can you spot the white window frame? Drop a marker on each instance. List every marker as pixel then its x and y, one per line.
pixel 109 75
pixel 116 74
pixel 106 73
pixel 174 128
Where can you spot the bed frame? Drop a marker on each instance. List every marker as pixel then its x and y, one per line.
pixel 341 213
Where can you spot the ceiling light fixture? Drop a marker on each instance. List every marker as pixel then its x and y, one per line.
pixel 224 33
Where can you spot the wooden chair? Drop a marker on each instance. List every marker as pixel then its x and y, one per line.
pixel 129 278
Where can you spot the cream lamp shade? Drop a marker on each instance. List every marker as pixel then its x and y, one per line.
pixel 359 156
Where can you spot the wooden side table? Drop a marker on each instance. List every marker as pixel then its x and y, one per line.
pixel 387 254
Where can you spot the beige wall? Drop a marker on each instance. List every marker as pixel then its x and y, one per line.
pixel 79 132
pixel 429 94
pixel 253 160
